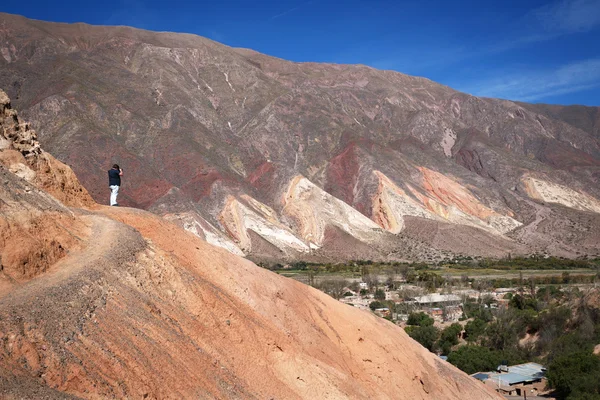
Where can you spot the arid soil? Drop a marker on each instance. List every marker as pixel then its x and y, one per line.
pixel 102 302
pixel 139 308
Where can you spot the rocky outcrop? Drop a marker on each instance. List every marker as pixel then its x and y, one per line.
pixel 32 237
pixel 32 230
pixel 16 134
pixel 391 204
pixel 239 218
pixel 194 223
pixel 443 200
pixel 312 210
pixel 550 192
pixel 21 153
pixel 450 199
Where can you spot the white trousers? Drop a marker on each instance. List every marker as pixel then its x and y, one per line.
pixel 114 191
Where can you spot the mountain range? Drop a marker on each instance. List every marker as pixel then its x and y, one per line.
pixel 283 161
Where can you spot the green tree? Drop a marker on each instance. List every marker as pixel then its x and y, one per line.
pixel 449 338
pixel 474 329
pixel 575 374
pixel 430 280
pixel 473 309
pixel 473 359
pixel 375 305
pixel 552 324
pixel 500 336
pixel 523 302
pixel 569 343
pixel 419 319
pixel 379 294
pixel 426 335
pixel 583 396
pixel 333 287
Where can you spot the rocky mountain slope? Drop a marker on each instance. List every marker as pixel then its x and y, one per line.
pixel 100 302
pixel 281 161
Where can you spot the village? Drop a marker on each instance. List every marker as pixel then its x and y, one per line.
pixel 445 308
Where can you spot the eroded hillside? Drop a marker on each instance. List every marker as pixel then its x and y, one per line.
pixel 107 302
pixel 286 161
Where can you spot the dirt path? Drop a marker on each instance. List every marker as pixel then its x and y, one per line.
pixel 529 235
pixel 54 306
pixel 108 242
pixel 541 213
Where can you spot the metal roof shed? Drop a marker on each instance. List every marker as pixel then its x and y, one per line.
pixel 533 370
pixel 481 376
pixel 512 378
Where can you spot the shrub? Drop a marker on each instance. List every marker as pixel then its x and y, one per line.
pixel 449 338
pixel 473 359
pixel 425 335
pixel 575 374
pixel 474 329
pixel 375 305
pixel 419 319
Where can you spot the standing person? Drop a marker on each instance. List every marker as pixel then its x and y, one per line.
pixel 114 182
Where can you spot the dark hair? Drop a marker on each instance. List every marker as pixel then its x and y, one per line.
pixel 116 166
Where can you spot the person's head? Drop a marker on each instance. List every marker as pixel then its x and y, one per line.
pixel 116 166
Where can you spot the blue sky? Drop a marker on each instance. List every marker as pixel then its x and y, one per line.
pixel 536 51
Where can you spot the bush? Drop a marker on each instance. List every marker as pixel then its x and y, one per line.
pixel 474 329
pixel 379 294
pixel 419 319
pixel 574 375
pixel 375 305
pixel 473 359
pixel 449 338
pixel 523 302
pixel 426 335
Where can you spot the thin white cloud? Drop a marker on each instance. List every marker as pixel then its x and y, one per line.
pixel 553 20
pixel 543 24
pixel 133 13
pixel 291 10
pixel 536 85
pixel 569 16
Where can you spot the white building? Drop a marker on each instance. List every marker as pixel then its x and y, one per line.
pixel 436 299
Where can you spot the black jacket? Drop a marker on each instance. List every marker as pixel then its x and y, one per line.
pixel 113 177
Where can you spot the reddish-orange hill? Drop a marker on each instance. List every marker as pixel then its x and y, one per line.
pixel 99 302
